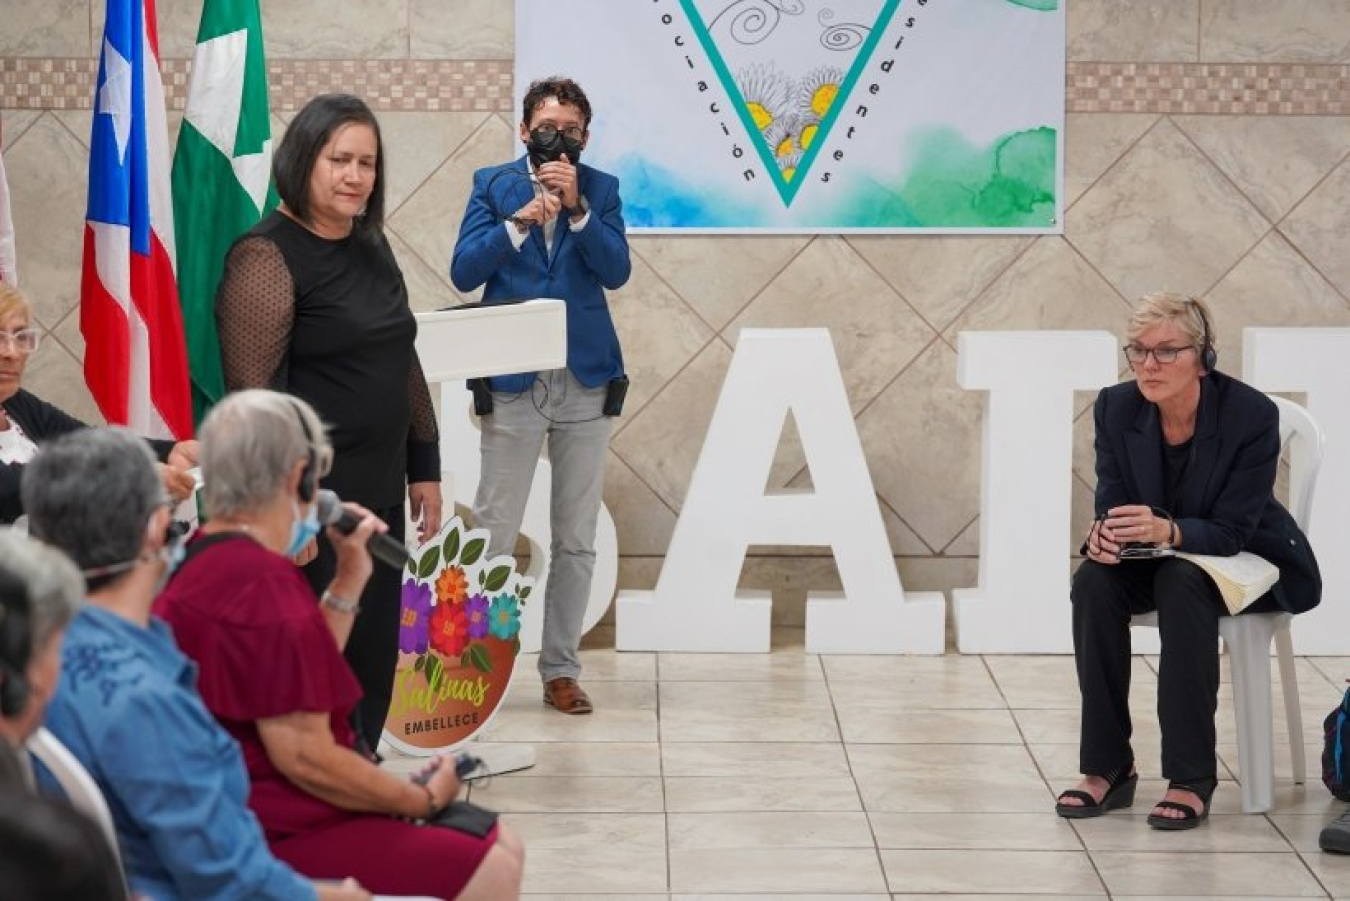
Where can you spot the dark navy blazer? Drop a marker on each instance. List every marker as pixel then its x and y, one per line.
pixel 1227 501
pixel 584 263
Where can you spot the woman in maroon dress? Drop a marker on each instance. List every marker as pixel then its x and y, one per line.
pixel 273 674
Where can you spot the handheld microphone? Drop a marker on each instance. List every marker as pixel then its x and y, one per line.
pixel 383 548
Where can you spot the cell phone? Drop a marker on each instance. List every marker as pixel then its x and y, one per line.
pixel 466 764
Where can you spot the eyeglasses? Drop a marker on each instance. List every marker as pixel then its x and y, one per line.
pixel 24 340
pixel 546 133
pixel 1163 355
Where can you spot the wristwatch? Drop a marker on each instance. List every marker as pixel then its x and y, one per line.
pixel 582 208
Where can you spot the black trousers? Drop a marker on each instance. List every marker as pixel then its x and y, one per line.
pixel 372 648
pixel 1189 607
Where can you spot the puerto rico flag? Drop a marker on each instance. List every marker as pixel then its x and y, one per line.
pixel 135 362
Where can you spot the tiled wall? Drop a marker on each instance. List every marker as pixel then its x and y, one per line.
pixel 1206 152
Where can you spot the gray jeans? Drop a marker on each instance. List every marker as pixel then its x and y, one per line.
pixel 559 408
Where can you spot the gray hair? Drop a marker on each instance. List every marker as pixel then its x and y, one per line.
pixel 1189 313
pixel 250 442
pixel 55 588
pixel 91 493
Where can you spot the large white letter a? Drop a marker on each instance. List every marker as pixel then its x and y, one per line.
pixel 696 605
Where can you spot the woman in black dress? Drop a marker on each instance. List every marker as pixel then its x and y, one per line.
pixel 312 302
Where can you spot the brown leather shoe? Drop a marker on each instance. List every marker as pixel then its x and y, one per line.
pixel 567 696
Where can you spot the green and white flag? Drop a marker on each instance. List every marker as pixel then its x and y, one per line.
pixel 221 174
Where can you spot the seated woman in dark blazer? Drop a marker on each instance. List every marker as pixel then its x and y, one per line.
pixel 27 420
pixel 1186 458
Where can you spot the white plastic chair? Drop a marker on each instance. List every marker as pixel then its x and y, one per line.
pixel 80 788
pixel 84 794
pixel 1249 636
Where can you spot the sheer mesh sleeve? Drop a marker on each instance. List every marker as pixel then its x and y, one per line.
pixel 255 312
pixel 424 441
pixel 423 427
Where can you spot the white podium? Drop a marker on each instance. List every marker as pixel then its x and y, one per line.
pixel 492 340
pixel 473 342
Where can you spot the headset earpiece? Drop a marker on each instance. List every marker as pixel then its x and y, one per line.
pixel 309 476
pixel 1209 357
pixel 16 640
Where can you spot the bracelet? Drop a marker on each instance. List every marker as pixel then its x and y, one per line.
pixel 338 604
pixel 432 807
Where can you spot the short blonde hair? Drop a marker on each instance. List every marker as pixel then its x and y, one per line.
pixel 1191 314
pixel 12 301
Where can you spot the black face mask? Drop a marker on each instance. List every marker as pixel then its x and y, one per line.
pixel 547 145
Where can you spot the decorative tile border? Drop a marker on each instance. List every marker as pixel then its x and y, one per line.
pixel 1270 89
pixel 438 85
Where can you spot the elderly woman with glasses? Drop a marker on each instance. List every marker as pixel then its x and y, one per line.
pixel 1186 459
pixel 26 420
pixel 271 670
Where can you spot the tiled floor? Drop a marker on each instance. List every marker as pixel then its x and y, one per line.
pixel 788 775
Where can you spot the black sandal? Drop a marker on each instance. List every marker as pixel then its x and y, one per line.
pixel 1190 818
pixel 1121 783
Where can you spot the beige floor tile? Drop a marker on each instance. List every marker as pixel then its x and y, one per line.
pixel 1336 670
pixel 951 681
pixel 1284 770
pixel 768 830
pixel 1032 681
pixel 1215 875
pixel 699 695
pixel 1031 872
pixel 544 725
pixel 1129 831
pixel 959 691
pixel 786 896
pixel 551 896
pixel 590 854
pixel 749 793
pixel 771 871
pixel 778 760
pixel 597 758
pixel 1331 870
pixel 908 726
pixel 1301 829
pixel 613 695
pixel 908 896
pixel 976 830
pixel 1059 762
pixel 786 664
pixel 948 779
pixel 599 794
pixel 763 711
pixel 597 665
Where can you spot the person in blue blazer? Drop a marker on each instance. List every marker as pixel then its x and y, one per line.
pixel 546 225
pixel 1186 459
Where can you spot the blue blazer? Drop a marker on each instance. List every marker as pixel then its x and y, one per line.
pixel 583 265
pixel 1227 502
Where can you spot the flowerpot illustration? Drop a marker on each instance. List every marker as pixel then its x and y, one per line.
pixel 459 630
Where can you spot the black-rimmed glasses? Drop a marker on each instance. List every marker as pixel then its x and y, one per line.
pixel 1163 355
pixel 546 133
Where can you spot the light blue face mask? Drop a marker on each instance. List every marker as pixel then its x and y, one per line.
pixel 303 528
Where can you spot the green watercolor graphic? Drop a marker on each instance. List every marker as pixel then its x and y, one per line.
pixel 1043 6
pixel 953 184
